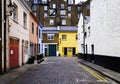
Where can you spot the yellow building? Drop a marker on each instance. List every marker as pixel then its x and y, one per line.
pixel 68 44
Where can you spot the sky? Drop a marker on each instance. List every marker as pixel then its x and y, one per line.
pixel 77 1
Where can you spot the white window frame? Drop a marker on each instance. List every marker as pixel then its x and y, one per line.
pixel 51 21
pixel 79 8
pixel 34 7
pixel 63 21
pixel 54 6
pixel 15 12
pixel 63 12
pixel 69 14
pixel 35 1
pixel 45 15
pixel 50 36
pixel 24 19
pixel 70 1
pixel 45 8
pixel 64 37
pixel 62 6
pixel 69 8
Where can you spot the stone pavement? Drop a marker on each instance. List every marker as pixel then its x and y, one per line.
pixel 106 72
pixel 48 72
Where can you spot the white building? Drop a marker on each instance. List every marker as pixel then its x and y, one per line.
pixel 40 50
pixel 19 34
pixel 103 33
pixel 105 25
pixel 80 34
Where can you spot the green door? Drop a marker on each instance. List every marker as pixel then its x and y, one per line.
pixel 52 50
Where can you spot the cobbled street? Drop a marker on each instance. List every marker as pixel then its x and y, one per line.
pixel 57 70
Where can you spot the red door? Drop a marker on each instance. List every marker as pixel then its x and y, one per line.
pixel 14 53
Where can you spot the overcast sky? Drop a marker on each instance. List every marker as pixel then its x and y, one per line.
pixel 77 1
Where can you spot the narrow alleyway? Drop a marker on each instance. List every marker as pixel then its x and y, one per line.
pixel 58 70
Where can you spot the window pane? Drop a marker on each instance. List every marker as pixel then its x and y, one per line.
pixel 62 6
pixel 50 36
pixel 64 22
pixel 64 37
pixel 51 22
pixel 69 8
pixel 70 1
pixel 45 8
pixel 54 5
pixel 24 19
pixel 62 12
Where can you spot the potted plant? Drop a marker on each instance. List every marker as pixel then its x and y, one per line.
pixel 40 58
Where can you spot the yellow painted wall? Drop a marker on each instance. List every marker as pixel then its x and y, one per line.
pixel 70 42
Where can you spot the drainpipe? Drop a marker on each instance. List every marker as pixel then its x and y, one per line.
pixel 2 37
pixel 84 35
pixel 6 36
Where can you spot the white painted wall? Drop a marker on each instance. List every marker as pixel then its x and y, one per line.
pixel 40 40
pixel 105 27
pixel 17 30
pixel 80 34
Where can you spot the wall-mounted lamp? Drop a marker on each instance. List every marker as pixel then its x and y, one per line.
pixel 10 8
pixel 60 40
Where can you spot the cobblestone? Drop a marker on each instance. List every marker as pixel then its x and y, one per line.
pixel 54 70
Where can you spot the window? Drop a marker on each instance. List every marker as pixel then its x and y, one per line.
pixel 52 12
pixel 39 33
pixel 79 8
pixel 89 31
pixel 87 6
pixel 34 7
pixel 69 8
pixel 45 8
pixel 36 31
pixel 54 6
pixel 24 19
pixel 51 21
pixel 78 15
pixel 62 6
pixel 70 1
pixel 50 36
pixel 62 12
pixel 69 14
pixel 35 1
pixel 64 37
pixel 44 1
pixel 64 22
pixel 32 28
pixel 45 15
pixel 15 12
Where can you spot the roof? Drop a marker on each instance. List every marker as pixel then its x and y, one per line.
pixel 59 29
pixel 49 30
pixel 68 28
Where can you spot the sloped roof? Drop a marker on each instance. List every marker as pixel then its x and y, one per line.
pixel 68 28
pixel 61 28
pixel 49 30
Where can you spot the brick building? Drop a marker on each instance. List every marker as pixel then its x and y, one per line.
pixel 56 12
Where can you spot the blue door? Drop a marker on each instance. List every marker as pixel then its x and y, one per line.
pixel 52 50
